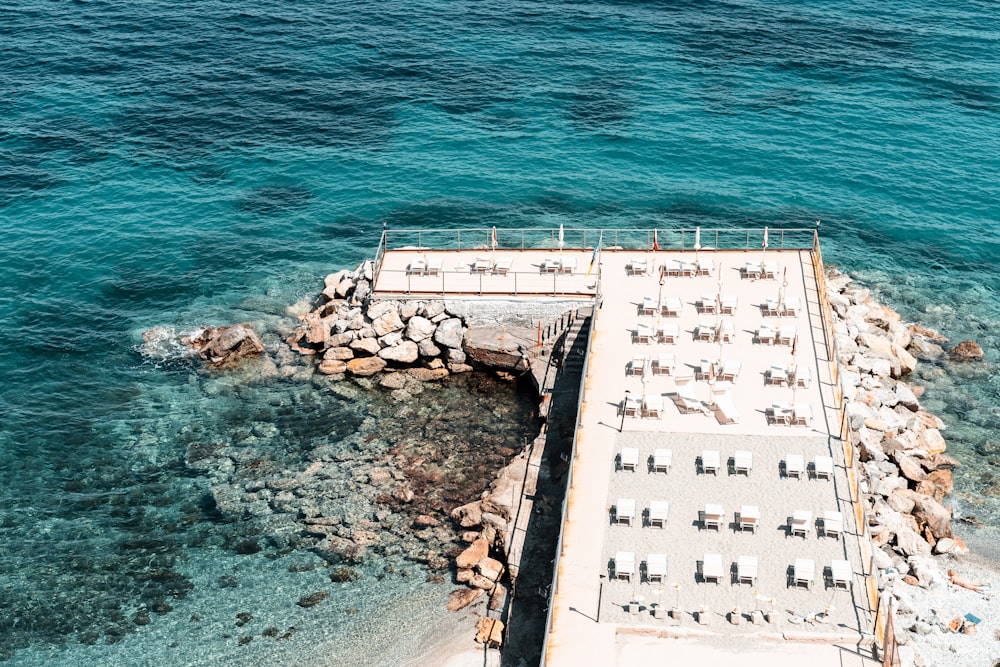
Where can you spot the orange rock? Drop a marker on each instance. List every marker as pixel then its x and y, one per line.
pixel 460 598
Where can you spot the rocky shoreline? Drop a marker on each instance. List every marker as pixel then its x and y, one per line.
pixel 906 475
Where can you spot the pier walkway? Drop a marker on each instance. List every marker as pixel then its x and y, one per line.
pixel 735 478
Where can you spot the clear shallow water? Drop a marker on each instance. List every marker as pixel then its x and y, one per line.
pixel 202 164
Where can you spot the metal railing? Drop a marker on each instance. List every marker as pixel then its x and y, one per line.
pixel 577 238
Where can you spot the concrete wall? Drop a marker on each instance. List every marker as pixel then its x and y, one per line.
pixel 512 312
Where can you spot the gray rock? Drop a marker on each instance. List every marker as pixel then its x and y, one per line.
pixel 456 356
pixel 408 309
pixel 419 328
pixel 433 309
pixel 450 333
pixel 405 352
pixel 909 543
pixel 369 346
pixel 387 322
pixel 906 397
pixel 380 308
pixel 392 338
pixel 427 348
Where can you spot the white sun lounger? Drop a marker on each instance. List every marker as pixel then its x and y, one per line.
pixel 769 270
pixel 786 334
pixel 729 303
pixel 742 461
pixel 502 267
pixel 629 458
pixel 710 461
pixel 482 265
pixel 550 265
pixel 823 467
pixel 726 411
pixel 636 267
pixel 416 267
pixel 624 565
pixel 713 516
pixel 656 567
pixel 671 307
pixel 663 364
pixel 631 406
pixel 567 265
pixel 765 335
pixel 705 305
pixel 625 511
pixel 730 370
pixel 749 517
pixel 776 375
pixel 648 306
pixel 662 460
pixel 658 512
pixel 771 308
pixel 803 376
pixel 643 333
pixel 707 331
pixel 833 524
pixel 706 265
pixel 802 414
pixel 746 570
pixel 794 465
pixel 668 333
pixel 804 572
pixel 792 306
pixel 840 574
pixel 799 525
pixel 434 266
pixel 711 568
pixel 652 406
pixel 638 365
pixel 752 270
pixel 727 331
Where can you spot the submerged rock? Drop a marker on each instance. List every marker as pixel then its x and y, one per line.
pixel 967 350
pixel 224 346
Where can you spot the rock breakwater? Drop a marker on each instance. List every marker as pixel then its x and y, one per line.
pixel 906 474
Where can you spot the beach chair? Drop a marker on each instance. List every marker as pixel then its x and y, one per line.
pixel 662 459
pixel 648 306
pixel 705 305
pixel 776 375
pixel 624 565
pixel 631 406
pixel 742 462
pixel 629 459
pixel 416 267
pixel 706 331
pixel 749 518
pixel 482 265
pixel 727 331
pixel 730 370
pixel 706 265
pixel 550 265
pixel 721 387
pixel 671 307
pixel 803 376
pixel 803 572
pixel 799 523
pixel 840 574
pixel 638 365
pixel 794 465
pixel 668 333
pixel 686 401
pixel 502 267
pixel 786 334
pixel 656 567
pixel 434 266
pixel 801 414
pixel 751 270
pixel 712 517
pixel 636 267
pixel 625 511
pixel 710 459
pixel 765 336
pixel 833 524
pixel 729 304
pixel 711 568
pixel 746 570
pixel 791 307
pixel 781 413
pixel 823 467
pixel 652 406
pixel 725 410
pixel 663 364
pixel 642 333
pixel 658 511
pixel 567 265
pixel 769 270
pixel 771 308
pixel 705 370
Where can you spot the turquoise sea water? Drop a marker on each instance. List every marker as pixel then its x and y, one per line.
pixel 203 163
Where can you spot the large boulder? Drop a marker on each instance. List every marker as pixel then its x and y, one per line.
pixel 365 366
pixel 450 333
pixel 368 346
pixel 501 349
pixel 967 350
pixel 419 328
pixel 474 553
pixel 461 598
pixel 386 323
pixel 224 346
pixel 404 353
pixel 934 514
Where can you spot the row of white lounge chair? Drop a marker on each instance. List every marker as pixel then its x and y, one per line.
pixel 831 524
pixel 710 460
pixel 703 265
pixel 744 570
pixel 716 305
pixel 711 332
